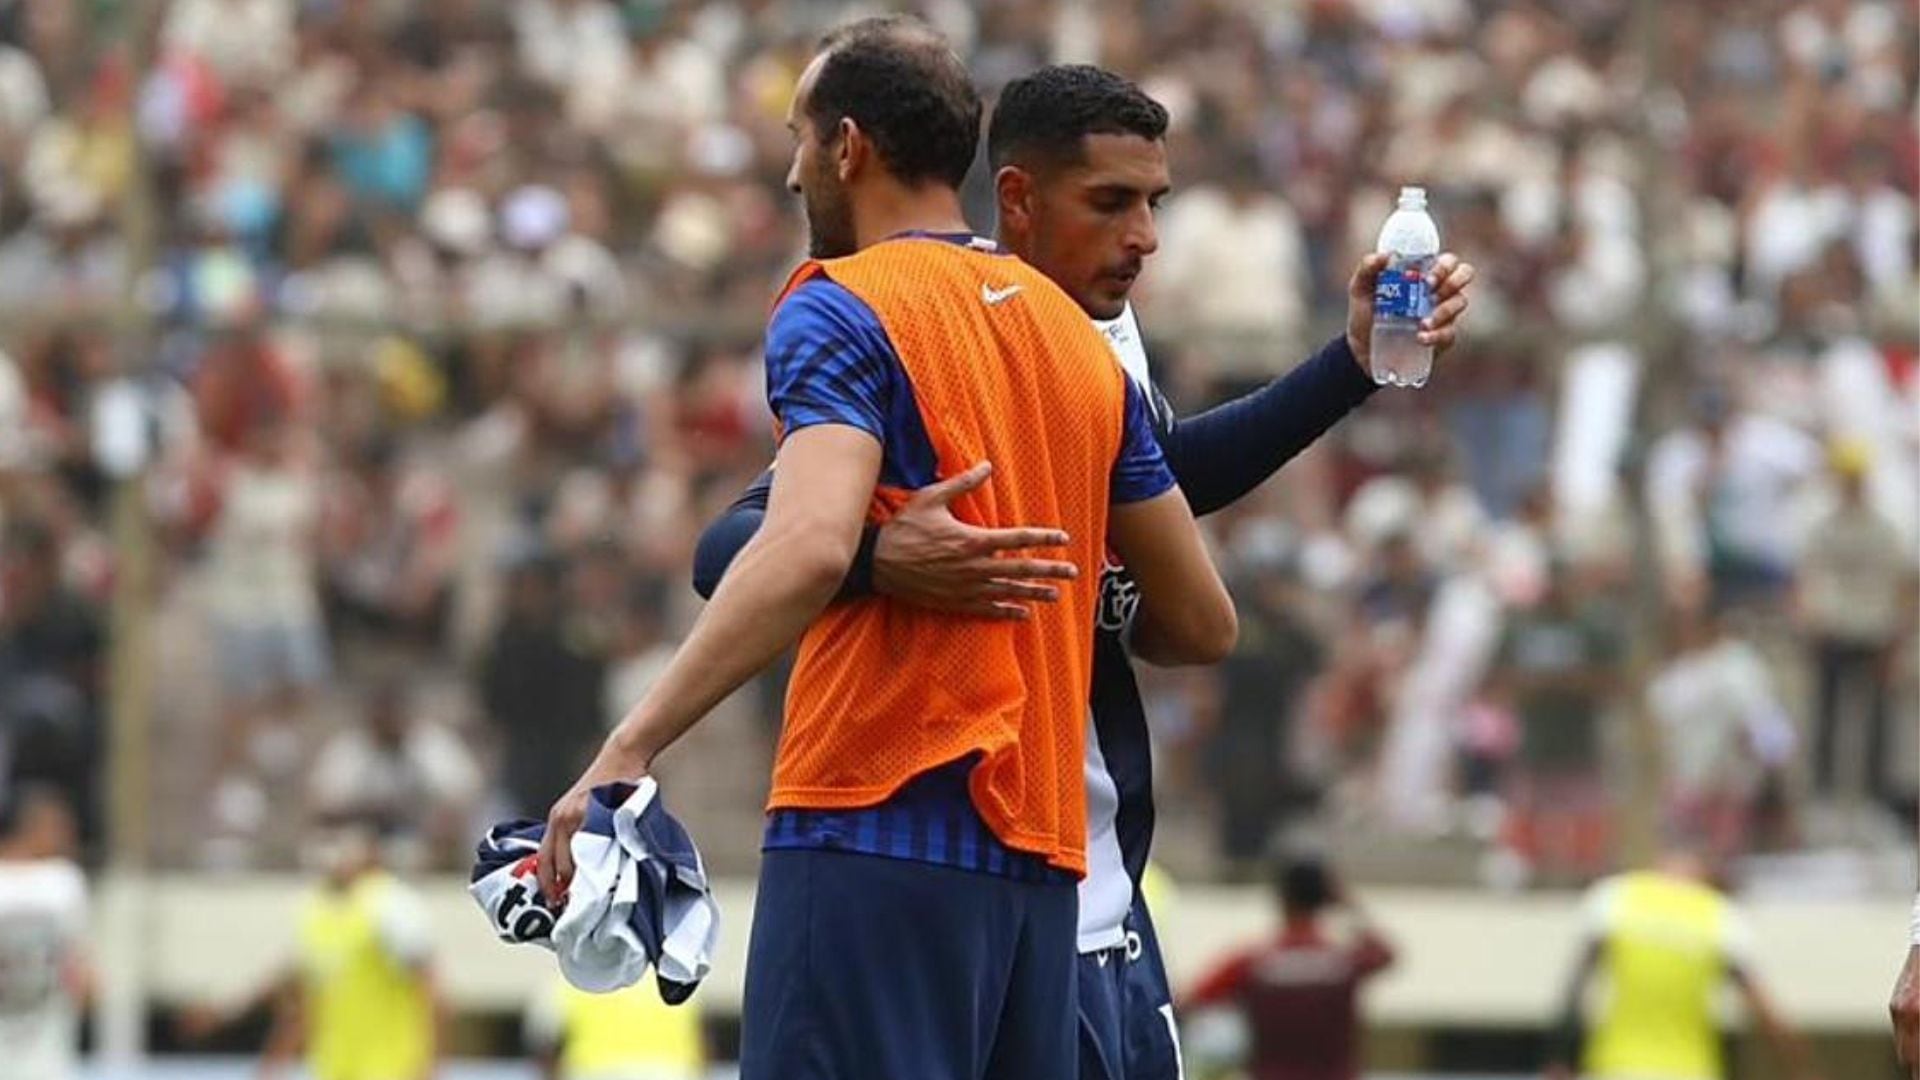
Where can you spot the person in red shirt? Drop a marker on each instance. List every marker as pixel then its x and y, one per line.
pixel 1299 993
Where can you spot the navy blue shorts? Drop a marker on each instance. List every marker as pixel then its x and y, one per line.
pixel 1127 1029
pixel 1103 1003
pixel 863 967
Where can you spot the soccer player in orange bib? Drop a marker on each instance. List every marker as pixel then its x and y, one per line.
pixel 916 912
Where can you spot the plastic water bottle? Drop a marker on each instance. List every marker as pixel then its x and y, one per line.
pixel 1400 296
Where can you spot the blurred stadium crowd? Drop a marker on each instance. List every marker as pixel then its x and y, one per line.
pixel 445 324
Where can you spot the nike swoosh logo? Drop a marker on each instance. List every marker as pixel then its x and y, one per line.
pixel 995 297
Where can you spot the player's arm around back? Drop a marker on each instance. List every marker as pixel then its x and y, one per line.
pixel 779 582
pixel 822 483
pixel 1185 614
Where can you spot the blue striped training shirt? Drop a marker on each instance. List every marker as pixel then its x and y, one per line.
pixel 829 361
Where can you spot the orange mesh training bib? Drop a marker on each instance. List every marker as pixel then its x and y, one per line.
pixel 1004 368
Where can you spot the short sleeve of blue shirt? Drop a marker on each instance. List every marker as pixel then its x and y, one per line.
pixel 1141 472
pixel 829 361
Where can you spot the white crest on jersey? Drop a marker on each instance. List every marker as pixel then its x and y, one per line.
pixel 1123 337
pixel 1119 599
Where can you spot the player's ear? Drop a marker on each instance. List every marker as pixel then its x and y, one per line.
pixel 851 149
pixel 1013 191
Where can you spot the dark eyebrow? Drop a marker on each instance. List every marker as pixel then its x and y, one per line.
pixel 1129 190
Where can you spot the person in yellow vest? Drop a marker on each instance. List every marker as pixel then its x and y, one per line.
pixel 629 1034
pixel 361 999
pixel 1664 943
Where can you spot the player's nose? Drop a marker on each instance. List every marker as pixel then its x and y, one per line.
pixel 1143 238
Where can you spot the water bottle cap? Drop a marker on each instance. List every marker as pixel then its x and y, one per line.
pixel 1414 195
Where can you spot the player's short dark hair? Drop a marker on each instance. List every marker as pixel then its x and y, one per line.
pixel 898 79
pixel 1304 884
pixel 1044 117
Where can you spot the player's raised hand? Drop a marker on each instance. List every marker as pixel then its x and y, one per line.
pixel 930 558
pixel 1447 281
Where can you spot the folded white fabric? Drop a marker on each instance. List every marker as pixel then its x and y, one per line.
pixel 639 895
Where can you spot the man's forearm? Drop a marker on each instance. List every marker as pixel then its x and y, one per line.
pixel 729 533
pixel 1227 451
pixel 774 588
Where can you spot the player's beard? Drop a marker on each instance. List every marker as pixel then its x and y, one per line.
pixel 829 218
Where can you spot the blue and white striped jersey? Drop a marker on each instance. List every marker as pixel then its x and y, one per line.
pixel 1119 765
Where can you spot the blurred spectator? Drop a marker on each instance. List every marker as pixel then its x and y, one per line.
pixel 65 255
pixel 1852 44
pixel 16 444
pixel 1235 263
pixel 391 547
pixel 566 40
pixel 52 652
pixel 262 590
pixel 1261 688
pixel 1856 601
pixel 1381 633
pixel 1422 498
pixel 24 101
pixel 242 42
pixel 47 978
pixel 1727 737
pixel 382 153
pixel 1300 994
pixel 1878 219
pixel 60 371
pixel 1558 671
pixel 1720 494
pixel 542 690
pixel 1502 425
pixel 1394 599
pixel 80 162
pixel 243 384
pixel 410 777
pixel 639 650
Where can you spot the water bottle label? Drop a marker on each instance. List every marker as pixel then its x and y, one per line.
pixel 1401 292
